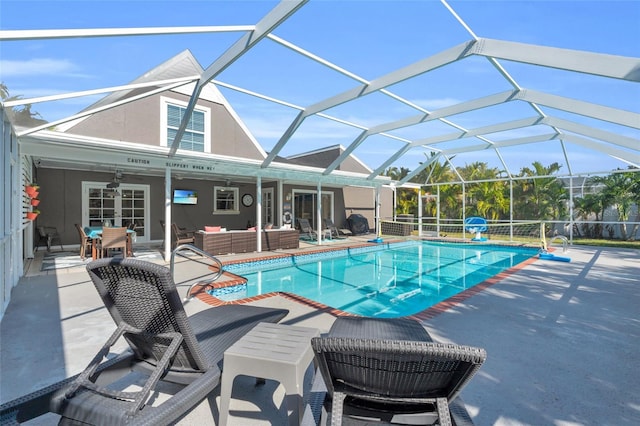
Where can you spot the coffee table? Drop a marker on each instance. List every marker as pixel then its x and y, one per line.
pixel 270 351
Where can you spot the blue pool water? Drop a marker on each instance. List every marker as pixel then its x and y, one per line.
pixel 391 282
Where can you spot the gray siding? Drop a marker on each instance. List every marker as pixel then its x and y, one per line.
pixel 60 205
pixel 139 122
pixel 324 158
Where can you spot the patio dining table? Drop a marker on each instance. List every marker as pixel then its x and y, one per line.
pixel 95 233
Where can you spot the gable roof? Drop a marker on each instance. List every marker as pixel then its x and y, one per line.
pixel 323 158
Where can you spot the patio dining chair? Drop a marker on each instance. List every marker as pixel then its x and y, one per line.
pixel 113 238
pixel 391 371
pixel 174 361
pixel 85 242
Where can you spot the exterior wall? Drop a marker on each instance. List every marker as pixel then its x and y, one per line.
pixel 137 122
pixel 321 158
pixel 228 138
pixel 140 121
pixel 61 202
pixel 350 164
pixel 360 201
pixel 324 158
pixel 386 203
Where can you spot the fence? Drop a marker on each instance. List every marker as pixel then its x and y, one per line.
pixel 512 231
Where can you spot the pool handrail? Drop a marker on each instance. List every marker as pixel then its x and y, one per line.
pixel 195 249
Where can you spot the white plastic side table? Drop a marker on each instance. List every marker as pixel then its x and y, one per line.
pixel 271 351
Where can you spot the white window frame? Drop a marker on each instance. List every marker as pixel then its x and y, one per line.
pixel 164 105
pixel 330 193
pixel 87 185
pixel 236 200
pixel 268 202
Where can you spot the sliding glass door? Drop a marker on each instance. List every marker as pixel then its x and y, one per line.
pixel 305 204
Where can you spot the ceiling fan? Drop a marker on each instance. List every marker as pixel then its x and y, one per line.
pixel 115 183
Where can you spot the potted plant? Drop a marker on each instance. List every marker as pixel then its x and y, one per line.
pixel 33 214
pixel 32 190
pixel 35 202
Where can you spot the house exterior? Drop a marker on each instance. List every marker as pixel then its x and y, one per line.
pixel 128 184
pixel 112 163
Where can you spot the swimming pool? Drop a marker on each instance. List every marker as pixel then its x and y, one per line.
pixel 400 280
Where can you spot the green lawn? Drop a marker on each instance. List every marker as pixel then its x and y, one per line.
pixel 606 243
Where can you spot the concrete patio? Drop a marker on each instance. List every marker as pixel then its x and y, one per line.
pixel 562 339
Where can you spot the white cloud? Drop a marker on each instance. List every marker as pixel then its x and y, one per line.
pixel 38 66
pixel 436 104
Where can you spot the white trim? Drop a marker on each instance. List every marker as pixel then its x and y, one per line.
pixel 86 185
pixel 313 192
pixel 236 200
pixel 90 153
pixel 268 193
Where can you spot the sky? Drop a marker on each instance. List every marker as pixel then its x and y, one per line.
pixel 368 39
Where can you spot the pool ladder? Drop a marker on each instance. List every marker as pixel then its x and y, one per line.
pixel 562 238
pixel 216 261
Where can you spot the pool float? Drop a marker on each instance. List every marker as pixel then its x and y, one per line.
pixel 551 256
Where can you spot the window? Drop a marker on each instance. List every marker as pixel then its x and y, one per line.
pixel 267 205
pixel 225 200
pixel 197 133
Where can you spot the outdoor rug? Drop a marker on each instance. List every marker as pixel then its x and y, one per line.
pixel 67 259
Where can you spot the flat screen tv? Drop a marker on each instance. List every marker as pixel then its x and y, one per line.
pixel 185 196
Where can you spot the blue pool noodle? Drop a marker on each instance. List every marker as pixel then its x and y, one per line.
pixel 549 256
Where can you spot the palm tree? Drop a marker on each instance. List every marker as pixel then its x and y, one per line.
pixel 635 191
pixel 621 192
pixel 541 198
pixel 406 198
pixel 587 208
pixel 487 198
pixel 22 116
pixel 438 173
pixel 397 174
pixel 4 92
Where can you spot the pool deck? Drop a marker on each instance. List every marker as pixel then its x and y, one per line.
pixel 563 340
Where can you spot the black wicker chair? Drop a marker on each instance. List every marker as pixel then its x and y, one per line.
pixel 404 378
pixel 48 235
pixel 167 346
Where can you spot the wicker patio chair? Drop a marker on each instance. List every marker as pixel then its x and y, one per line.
pixel 114 238
pixel 182 236
pixel 405 378
pixel 85 242
pixel 167 347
